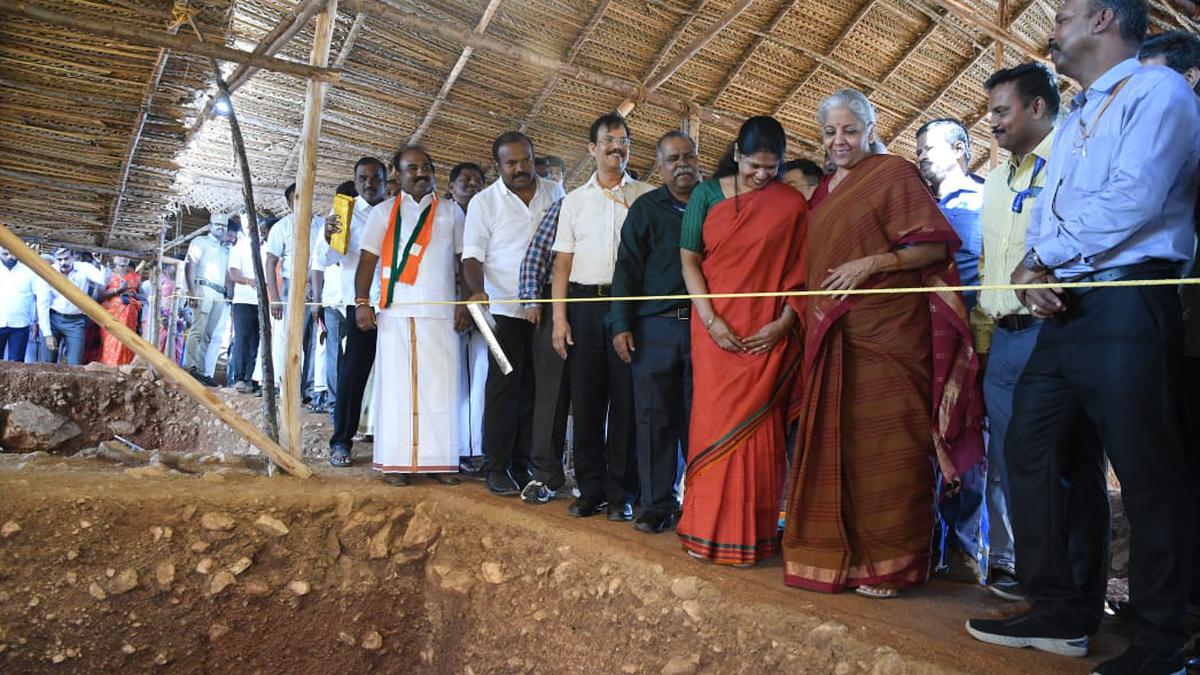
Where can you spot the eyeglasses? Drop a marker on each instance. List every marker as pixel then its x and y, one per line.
pixel 622 141
pixel 1018 203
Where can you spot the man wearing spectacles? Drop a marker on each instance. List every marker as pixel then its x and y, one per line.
pixel 1023 103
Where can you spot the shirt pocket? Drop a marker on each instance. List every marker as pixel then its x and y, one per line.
pixel 1092 171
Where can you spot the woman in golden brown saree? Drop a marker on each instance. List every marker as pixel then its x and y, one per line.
pixel 743 231
pixel 889 380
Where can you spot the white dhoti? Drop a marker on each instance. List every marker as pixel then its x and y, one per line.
pixel 417 363
pixel 474 353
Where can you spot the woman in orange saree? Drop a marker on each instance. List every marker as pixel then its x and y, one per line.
pixel 743 231
pixel 890 381
pixel 120 298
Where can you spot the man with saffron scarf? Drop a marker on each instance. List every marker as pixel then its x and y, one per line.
pixel 889 380
pixel 415 237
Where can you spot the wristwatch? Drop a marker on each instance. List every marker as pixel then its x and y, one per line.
pixel 1032 262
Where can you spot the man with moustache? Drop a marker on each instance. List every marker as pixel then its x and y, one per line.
pixel 1122 174
pixel 62 323
pixel 358 358
pixel 653 336
pixel 413 240
pixel 205 266
pixel 18 309
pixel 586 245
pixel 466 180
pixel 499 226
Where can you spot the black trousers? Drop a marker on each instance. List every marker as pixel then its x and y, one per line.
pixel 244 349
pixel 602 393
pixel 662 403
pixel 552 401
pixel 508 399
pixel 354 367
pixel 1112 362
pixel 1190 394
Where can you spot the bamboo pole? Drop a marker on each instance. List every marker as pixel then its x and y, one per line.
pixel 150 38
pixel 165 366
pixel 994 30
pixel 302 225
pixel 260 279
pixel 160 65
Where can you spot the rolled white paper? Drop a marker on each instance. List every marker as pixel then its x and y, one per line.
pixel 483 322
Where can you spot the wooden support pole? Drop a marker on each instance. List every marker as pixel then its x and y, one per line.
pixel 305 180
pixel 149 38
pixel 159 361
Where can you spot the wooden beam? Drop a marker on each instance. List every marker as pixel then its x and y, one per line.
pixel 305 180
pixel 580 40
pixel 290 24
pixel 804 79
pixel 43 181
pixel 998 32
pixel 160 65
pixel 150 38
pixel 159 361
pixel 699 43
pixel 740 65
pixel 440 99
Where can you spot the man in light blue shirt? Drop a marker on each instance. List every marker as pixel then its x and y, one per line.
pixel 62 323
pixel 1118 205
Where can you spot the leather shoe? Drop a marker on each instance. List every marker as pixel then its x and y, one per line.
pixel 584 507
pixel 521 476
pixel 620 512
pixel 654 522
pixel 396 479
pixel 501 484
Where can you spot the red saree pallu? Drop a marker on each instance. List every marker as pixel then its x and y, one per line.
pixel 112 352
pixel 890 385
pixel 736 447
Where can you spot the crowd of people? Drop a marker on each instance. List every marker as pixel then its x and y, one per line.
pixel 867 438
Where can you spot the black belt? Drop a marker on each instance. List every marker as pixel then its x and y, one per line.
pixel 590 290
pixel 215 286
pixel 1015 322
pixel 1153 269
pixel 65 315
pixel 681 313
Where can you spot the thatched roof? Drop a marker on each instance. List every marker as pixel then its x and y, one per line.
pixel 72 103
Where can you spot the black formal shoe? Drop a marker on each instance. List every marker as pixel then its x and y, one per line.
pixel 1003 584
pixel 584 507
pixel 620 512
pixel 396 479
pixel 501 484
pixel 1138 661
pixel 446 478
pixel 1029 630
pixel 654 522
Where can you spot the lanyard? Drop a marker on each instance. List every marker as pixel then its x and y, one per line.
pixel 1084 132
pixel 1018 203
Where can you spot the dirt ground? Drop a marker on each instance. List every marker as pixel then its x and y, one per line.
pixel 201 564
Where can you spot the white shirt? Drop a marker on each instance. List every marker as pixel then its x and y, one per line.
pixel 48 299
pixel 17 307
pixel 499 227
pixel 211 258
pixel 589 227
pixel 439 262
pixel 241 258
pixel 348 262
pixel 280 243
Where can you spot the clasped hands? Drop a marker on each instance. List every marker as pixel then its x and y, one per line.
pixel 1043 303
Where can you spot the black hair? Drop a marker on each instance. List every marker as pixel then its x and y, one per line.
pixel 347 188
pixel 1133 17
pixel 608 121
pixel 555 160
pixel 758 134
pixel 1032 80
pixel 465 166
pixel 633 175
pixel 1181 50
pixel 956 132
pixel 509 137
pixel 411 148
pixel 370 160
pixel 809 167
pixel 288 193
pixel 674 133
pixel 234 225
pixel 268 222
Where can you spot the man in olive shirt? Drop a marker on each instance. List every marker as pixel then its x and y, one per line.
pixel 652 336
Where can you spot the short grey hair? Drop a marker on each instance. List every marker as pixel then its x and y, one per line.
pixel 853 99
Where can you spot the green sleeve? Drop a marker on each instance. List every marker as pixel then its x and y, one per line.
pixel 705 195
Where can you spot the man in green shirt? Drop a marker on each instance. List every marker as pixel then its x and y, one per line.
pixel 653 335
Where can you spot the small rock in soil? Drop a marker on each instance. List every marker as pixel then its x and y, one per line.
pixel 345 504
pixel 421 531
pixel 164 573
pixel 31 427
pixel 218 631
pixel 72 554
pixel 686 588
pixel 220 581
pixel 128 649
pixel 240 566
pixel 146 472
pixel 493 573
pixel 271 526
pixel 126 581
pixel 9 529
pixel 256 588
pixel 828 632
pixel 199 546
pixel 96 592
pixel 217 522
pixel 347 639
pixel 692 609
pixel 204 566
pixel 372 641
pixel 300 587
pixel 162 659
pixel 682 665
pixel 378 547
